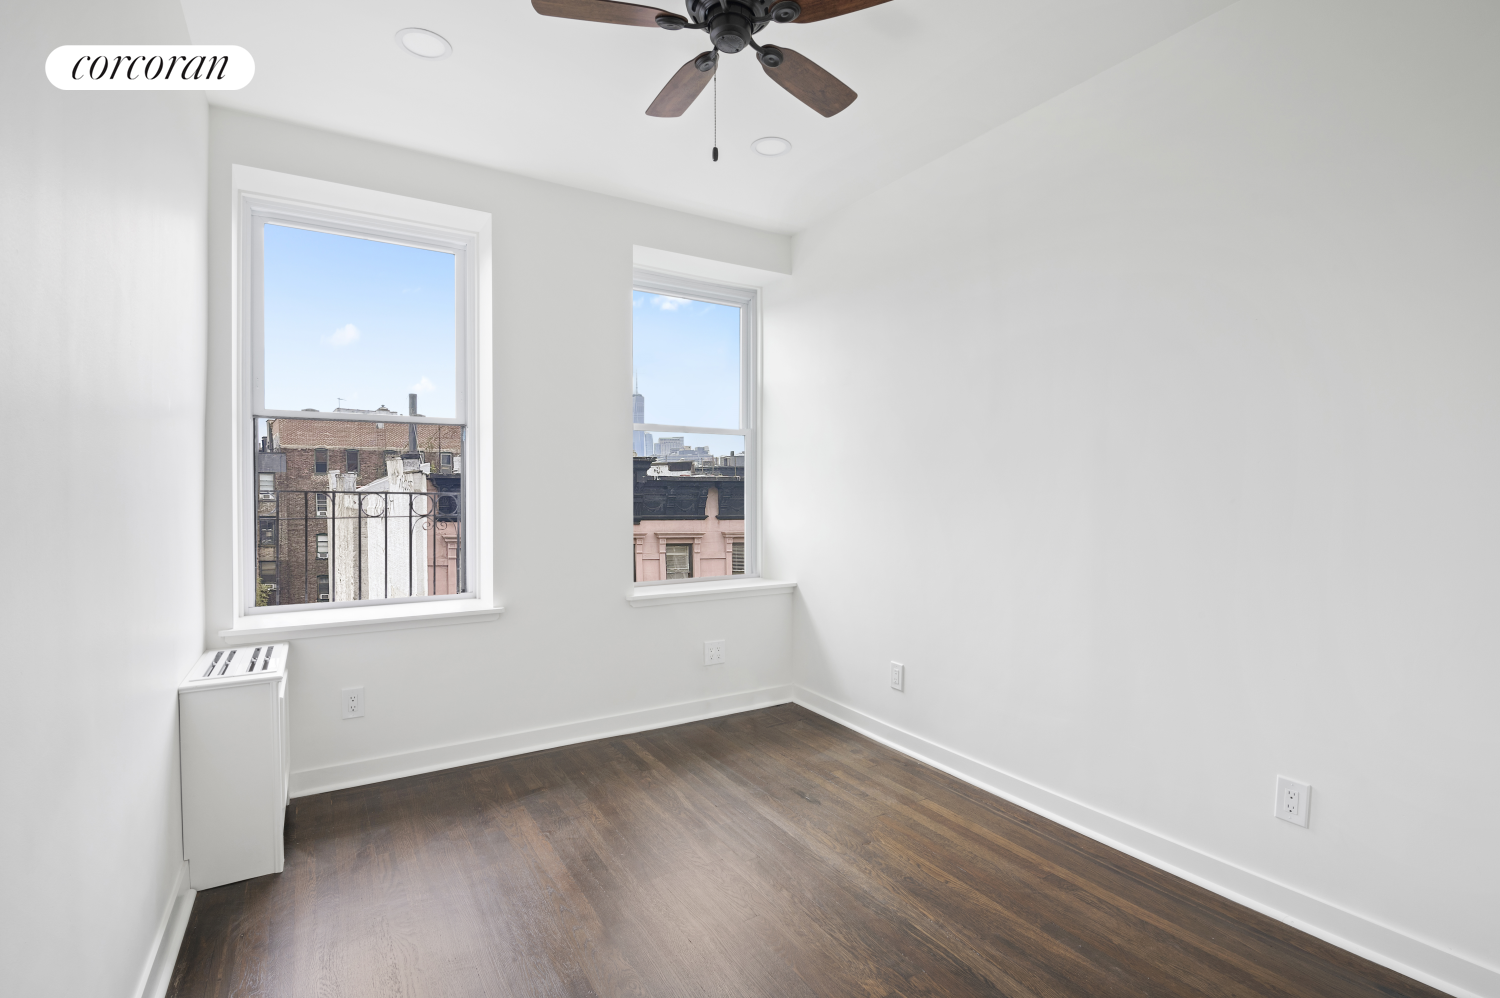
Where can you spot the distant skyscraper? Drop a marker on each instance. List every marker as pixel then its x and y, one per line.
pixel 641 440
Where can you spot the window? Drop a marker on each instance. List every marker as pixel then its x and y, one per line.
pixel 445 461
pixel 360 331
pixel 265 584
pixel 693 429
pixel 679 561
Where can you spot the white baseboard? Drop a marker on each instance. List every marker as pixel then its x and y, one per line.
pixel 162 956
pixel 390 767
pixel 1378 943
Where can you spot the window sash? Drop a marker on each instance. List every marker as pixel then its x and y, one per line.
pixel 679 561
pixel 747 300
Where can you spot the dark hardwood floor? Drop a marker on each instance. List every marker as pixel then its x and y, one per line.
pixel 768 853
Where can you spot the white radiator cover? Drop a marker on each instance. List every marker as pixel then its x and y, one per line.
pixel 232 719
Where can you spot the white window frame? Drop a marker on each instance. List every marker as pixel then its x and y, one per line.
pixel 262 196
pixel 747 300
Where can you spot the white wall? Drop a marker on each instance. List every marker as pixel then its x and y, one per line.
pixel 101 345
pixel 1172 409
pixel 569 656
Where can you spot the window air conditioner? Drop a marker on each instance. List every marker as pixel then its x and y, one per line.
pixel 268 497
pixel 233 739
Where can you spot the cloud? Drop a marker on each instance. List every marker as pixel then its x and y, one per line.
pixel 424 385
pixel 344 335
pixel 667 303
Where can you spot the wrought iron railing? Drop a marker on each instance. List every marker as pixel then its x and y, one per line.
pixel 338 547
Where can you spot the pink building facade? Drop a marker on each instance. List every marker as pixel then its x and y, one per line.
pixel 690 548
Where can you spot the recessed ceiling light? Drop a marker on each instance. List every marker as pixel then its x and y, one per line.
pixel 427 44
pixel 771 146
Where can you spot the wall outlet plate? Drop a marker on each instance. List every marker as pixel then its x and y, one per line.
pixel 713 652
pixel 898 676
pixel 1293 801
pixel 352 702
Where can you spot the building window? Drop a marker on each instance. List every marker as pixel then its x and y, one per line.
pixel 445 460
pixel 267 574
pixel 679 561
pixel 266 533
pixel 693 434
pixel 351 298
pixel 267 485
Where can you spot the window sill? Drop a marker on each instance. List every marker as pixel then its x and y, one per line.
pixel 699 592
pixel 358 620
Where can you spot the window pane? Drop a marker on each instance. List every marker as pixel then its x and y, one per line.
pixel 357 324
pixel 687 361
pixel 679 560
pixel 690 508
pixel 379 531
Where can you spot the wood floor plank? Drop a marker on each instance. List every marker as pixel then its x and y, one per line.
pixel 767 853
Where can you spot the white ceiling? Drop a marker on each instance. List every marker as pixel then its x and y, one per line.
pixel 565 100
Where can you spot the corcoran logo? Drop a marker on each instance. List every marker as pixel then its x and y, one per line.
pixel 149 67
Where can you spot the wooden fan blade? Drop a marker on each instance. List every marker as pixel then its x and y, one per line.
pixel 810 83
pixel 822 10
pixel 681 90
pixel 607 11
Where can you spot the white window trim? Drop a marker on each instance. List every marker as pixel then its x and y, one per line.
pixel 702 590
pixel 309 202
pixel 747 299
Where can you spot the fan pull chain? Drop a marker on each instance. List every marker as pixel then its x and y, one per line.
pixel 716 117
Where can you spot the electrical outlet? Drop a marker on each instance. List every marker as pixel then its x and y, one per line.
pixel 1293 801
pixel 352 702
pixel 898 676
pixel 713 652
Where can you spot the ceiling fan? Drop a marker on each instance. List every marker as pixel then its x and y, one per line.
pixel 731 26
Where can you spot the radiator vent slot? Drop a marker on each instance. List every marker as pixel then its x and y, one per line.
pixel 232 663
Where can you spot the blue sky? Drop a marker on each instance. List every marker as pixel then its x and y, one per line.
pixel 357 319
pixel 687 361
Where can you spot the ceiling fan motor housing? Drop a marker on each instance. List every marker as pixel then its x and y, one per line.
pixel 732 22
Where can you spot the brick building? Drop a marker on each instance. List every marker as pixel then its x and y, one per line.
pixel 299 522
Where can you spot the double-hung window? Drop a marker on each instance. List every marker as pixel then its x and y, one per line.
pixel 358 330
pixel 693 433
